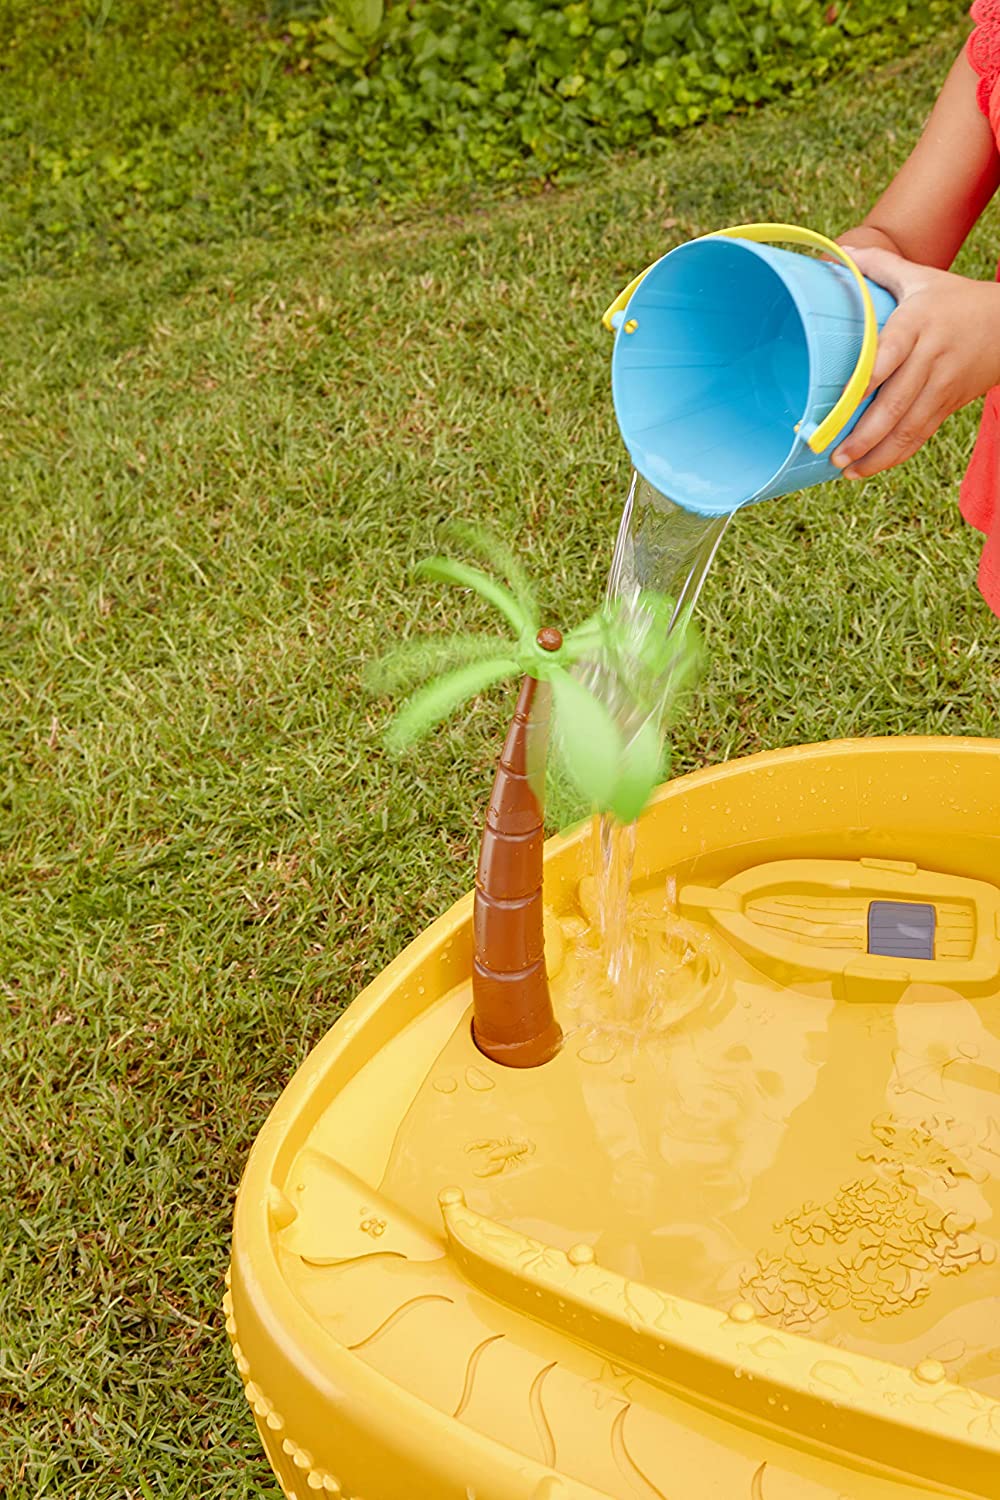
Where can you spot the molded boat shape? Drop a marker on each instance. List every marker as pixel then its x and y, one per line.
pixel 876 926
pixel 738 1243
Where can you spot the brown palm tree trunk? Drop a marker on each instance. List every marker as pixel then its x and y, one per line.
pixel 513 1020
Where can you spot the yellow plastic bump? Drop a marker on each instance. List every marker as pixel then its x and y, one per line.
pixel 621 301
pixel 793 234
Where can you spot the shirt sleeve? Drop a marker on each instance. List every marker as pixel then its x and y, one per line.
pixel 983 49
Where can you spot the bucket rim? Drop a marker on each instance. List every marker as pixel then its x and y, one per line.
pixel 765 254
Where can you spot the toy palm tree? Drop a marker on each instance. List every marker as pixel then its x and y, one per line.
pixel 513 1020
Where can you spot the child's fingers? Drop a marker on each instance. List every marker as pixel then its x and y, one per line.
pixel 887 411
pixel 895 344
pixel 921 422
pixel 895 347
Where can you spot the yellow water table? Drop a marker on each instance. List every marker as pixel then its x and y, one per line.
pixel 741 1246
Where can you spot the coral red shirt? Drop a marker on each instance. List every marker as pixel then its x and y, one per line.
pixel 980 493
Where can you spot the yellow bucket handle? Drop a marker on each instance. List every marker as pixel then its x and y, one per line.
pixel 792 234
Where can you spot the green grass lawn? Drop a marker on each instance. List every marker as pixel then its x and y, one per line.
pixel 217 466
pixel 128 125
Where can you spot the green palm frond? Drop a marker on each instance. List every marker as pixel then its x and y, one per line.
pixel 588 639
pixel 651 658
pixel 612 761
pixel 655 654
pixel 641 768
pixel 415 661
pixel 590 741
pixel 559 794
pixel 439 698
pixel 539 762
pixel 491 549
pixel 445 570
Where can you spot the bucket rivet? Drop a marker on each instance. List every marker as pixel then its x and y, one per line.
pixel 631 325
pixel 581 1255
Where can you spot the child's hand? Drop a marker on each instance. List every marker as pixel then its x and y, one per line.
pixel 938 351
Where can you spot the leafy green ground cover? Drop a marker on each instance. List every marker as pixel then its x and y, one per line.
pixel 216 467
pixel 127 124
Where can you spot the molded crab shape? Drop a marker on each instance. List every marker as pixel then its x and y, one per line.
pixel 513 1021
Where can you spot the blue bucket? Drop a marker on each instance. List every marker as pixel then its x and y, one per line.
pixel 738 367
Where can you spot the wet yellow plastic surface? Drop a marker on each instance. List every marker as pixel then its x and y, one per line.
pixel 746 1251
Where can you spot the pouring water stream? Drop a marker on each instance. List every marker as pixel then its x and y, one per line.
pixel 660 547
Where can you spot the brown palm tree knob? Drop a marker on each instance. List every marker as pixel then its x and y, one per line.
pixel 549 638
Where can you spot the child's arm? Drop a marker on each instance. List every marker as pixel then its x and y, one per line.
pixel 941 347
pixel 938 194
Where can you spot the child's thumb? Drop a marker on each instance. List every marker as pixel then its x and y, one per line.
pixel 885 269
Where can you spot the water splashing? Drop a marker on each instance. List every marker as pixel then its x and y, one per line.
pixel 663 549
